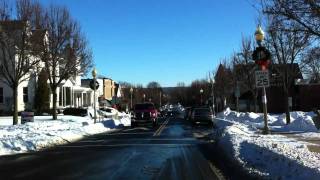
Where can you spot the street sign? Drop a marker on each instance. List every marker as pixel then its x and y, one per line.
pixel 237 92
pixel 262 79
pixel 27 117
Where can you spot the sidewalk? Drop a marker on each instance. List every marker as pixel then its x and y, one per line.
pixel 312 142
pixel 311 139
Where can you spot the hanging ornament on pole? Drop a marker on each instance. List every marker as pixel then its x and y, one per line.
pixel 262 57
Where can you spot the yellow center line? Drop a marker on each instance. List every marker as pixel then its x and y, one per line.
pixel 155 133
pixel 158 132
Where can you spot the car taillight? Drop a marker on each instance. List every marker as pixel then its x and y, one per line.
pixel 153 114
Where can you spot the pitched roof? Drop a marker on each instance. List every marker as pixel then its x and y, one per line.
pixel 38 35
pixel 12 25
pixel 37 39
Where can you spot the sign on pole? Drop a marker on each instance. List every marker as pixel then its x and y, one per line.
pixel 262 79
pixel 27 117
pixel 237 90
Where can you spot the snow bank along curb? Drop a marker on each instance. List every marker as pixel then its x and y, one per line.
pixel 44 133
pixel 271 156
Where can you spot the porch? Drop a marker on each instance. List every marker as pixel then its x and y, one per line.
pixel 75 96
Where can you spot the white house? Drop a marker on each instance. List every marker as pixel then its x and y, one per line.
pixel 70 93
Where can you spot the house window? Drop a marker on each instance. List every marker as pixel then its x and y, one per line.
pixel 1 95
pixel 25 94
pixel 60 97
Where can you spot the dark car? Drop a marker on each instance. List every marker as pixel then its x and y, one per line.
pixel 202 116
pixel 76 112
pixel 144 113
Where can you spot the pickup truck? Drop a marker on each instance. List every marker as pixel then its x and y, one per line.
pixel 144 113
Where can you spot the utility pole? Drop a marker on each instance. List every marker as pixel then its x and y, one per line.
pixel 237 94
pixel 212 93
pixel 94 75
pixel 131 91
pixel 160 98
pixel 201 92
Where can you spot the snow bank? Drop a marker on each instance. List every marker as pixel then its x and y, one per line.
pixel 45 132
pixel 300 121
pixel 270 156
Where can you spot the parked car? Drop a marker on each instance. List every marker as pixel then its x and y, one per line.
pixel 144 113
pixel 75 112
pixel 202 115
pixel 108 112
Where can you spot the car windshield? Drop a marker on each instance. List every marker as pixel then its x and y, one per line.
pixel 106 110
pixel 144 106
pixel 203 111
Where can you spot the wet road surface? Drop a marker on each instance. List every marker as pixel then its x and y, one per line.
pixel 173 150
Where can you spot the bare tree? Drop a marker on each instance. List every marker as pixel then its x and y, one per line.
pixel 66 51
pixel 32 11
pixel 125 88
pixel 305 13
pixel 244 69
pixel 178 94
pixel 16 56
pixel 153 91
pixel 286 47
pixel 18 48
pixel 311 61
pixel 5 10
pixel 224 82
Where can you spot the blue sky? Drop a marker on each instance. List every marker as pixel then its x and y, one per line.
pixel 167 41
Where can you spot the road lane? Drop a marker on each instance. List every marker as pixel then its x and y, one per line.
pixel 169 152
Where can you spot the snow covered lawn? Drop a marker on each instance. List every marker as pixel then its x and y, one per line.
pixel 45 132
pixel 274 156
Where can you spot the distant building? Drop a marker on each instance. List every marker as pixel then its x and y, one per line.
pixel 107 91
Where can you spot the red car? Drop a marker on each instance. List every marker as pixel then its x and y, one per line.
pixel 144 113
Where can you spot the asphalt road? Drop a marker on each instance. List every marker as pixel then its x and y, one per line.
pixel 173 150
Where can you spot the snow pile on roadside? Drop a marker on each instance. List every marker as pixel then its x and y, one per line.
pixel 300 121
pixel 272 156
pixel 45 133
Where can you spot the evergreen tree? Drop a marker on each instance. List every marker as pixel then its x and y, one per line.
pixel 42 93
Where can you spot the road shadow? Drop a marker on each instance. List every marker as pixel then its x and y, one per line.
pixel 111 124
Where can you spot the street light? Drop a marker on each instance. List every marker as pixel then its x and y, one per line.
pixel 131 91
pixel 201 92
pixel 211 79
pixel 259 36
pixel 144 97
pixel 160 98
pixel 94 75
